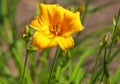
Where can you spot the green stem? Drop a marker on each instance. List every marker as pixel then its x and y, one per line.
pixel 53 65
pixel 100 70
pixel 109 59
pixel 114 35
pixel 102 78
pixel 25 63
pixel 105 64
pixel 91 81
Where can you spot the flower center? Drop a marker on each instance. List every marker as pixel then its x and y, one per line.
pixel 55 29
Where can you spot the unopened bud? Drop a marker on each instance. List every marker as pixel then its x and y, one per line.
pixel 27 30
pixel 105 41
pixel 114 21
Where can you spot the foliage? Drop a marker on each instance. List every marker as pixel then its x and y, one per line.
pixel 71 67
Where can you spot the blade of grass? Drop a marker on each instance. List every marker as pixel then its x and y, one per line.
pixel 7 22
pixel 116 77
pixel 79 76
pixel 100 70
pixel 92 78
pixel 70 66
pixel 81 60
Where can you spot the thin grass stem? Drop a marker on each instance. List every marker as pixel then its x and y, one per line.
pixel 91 81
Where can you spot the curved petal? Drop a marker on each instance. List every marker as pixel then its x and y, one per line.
pixel 65 42
pixel 35 23
pixel 39 25
pixel 51 13
pixel 55 26
pixel 71 23
pixel 41 41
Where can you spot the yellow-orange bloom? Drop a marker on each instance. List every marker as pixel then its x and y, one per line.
pixel 54 26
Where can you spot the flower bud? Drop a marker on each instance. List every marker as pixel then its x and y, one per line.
pixel 105 41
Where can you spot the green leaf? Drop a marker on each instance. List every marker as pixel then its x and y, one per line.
pixel 3 80
pixel 116 77
pixel 81 60
pixel 79 76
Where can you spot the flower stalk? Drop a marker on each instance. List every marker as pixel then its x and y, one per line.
pixel 25 63
pixel 26 37
pixel 114 35
pixel 53 65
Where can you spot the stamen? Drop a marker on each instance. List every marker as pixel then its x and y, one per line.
pixel 55 29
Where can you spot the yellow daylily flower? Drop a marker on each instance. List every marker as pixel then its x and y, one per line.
pixel 54 26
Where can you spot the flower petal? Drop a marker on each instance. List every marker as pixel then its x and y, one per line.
pixel 39 25
pixel 52 13
pixel 54 27
pixel 71 23
pixel 41 41
pixel 49 15
pixel 65 42
pixel 35 23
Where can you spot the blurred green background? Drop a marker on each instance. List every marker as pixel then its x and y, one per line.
pixel 97 18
